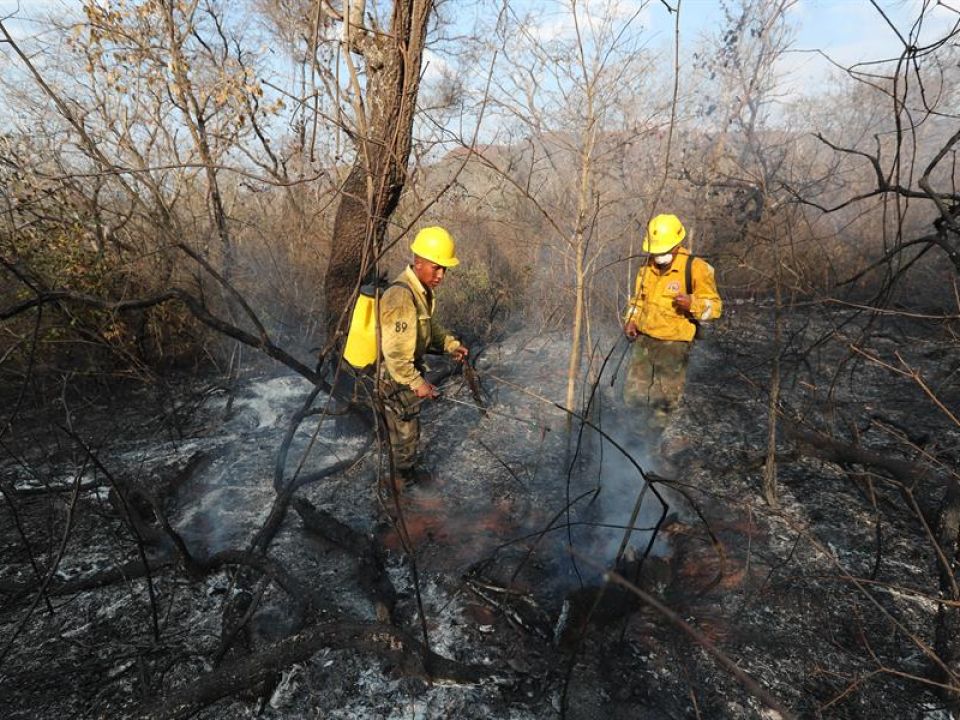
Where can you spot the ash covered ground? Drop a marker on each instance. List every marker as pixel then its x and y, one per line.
pixel 827 602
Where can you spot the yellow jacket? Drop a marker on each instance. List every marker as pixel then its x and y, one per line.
pixel 652 308
pixel 408 330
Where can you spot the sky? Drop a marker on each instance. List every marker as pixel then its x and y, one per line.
pixel 852 31
pixel 847 27
pixel 847 30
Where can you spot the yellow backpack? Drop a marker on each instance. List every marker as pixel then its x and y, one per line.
pixel 360 349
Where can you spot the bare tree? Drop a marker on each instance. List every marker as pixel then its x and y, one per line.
pixel 570 90
pixel 911 166
pixel 909 159
pixel 745 163
pixel 385 110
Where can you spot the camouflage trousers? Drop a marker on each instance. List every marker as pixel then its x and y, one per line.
pixel 655 378
pixel 401 414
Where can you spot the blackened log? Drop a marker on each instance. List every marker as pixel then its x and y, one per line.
pixel 269 567
pixel 302 597
pixel 371 571
pixel 946 524
pixel 831 450
pixel 907 473
pixel 395 647
pixel 93 581
pixel 238 609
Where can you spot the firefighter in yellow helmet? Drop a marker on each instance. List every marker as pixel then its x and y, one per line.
pixel 408 331
pixel 674 293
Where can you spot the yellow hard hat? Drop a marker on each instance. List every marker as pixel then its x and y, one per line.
pixel 664 233
pixel 436 245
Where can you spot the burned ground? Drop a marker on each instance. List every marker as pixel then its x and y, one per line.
pixel 829 602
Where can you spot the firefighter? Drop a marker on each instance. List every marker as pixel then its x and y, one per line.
pixel 409 331
pixel 674 293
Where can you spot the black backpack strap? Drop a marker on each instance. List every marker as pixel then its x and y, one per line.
pixel 688 275
pixel 688 279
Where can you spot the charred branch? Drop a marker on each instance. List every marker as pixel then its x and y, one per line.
pixel 906 473
pixel 44 587
pixel 751 685
pixel 518 607
pixel 394 647
pixel 948 616
pixel 92 581
pixel 28 547
pixel 371 571
pixel 942 525
pixel 239 610
pixel 272 569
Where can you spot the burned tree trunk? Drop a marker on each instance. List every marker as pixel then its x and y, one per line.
pixel 384 135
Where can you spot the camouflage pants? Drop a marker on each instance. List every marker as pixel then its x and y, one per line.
pixel 655 378
pixel 401 408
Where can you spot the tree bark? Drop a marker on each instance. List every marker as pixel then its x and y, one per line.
pixel 372 188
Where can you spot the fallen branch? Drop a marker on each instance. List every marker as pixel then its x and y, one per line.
pixel 395 647
pixel 371 572
pixel 44 591
pixel 748 683
pixel 91 581
pixel 948 618
pixel 827 448
pixel 942 527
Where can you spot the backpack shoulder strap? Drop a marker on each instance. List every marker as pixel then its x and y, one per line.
pixel 688 274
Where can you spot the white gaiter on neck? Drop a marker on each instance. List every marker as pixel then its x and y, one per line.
pixel 663 259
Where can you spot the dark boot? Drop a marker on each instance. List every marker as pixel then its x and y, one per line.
pixel 415 475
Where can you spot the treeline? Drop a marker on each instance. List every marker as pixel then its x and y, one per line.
pixel 155 147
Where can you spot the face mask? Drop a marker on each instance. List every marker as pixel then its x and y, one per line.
pixel 663 259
